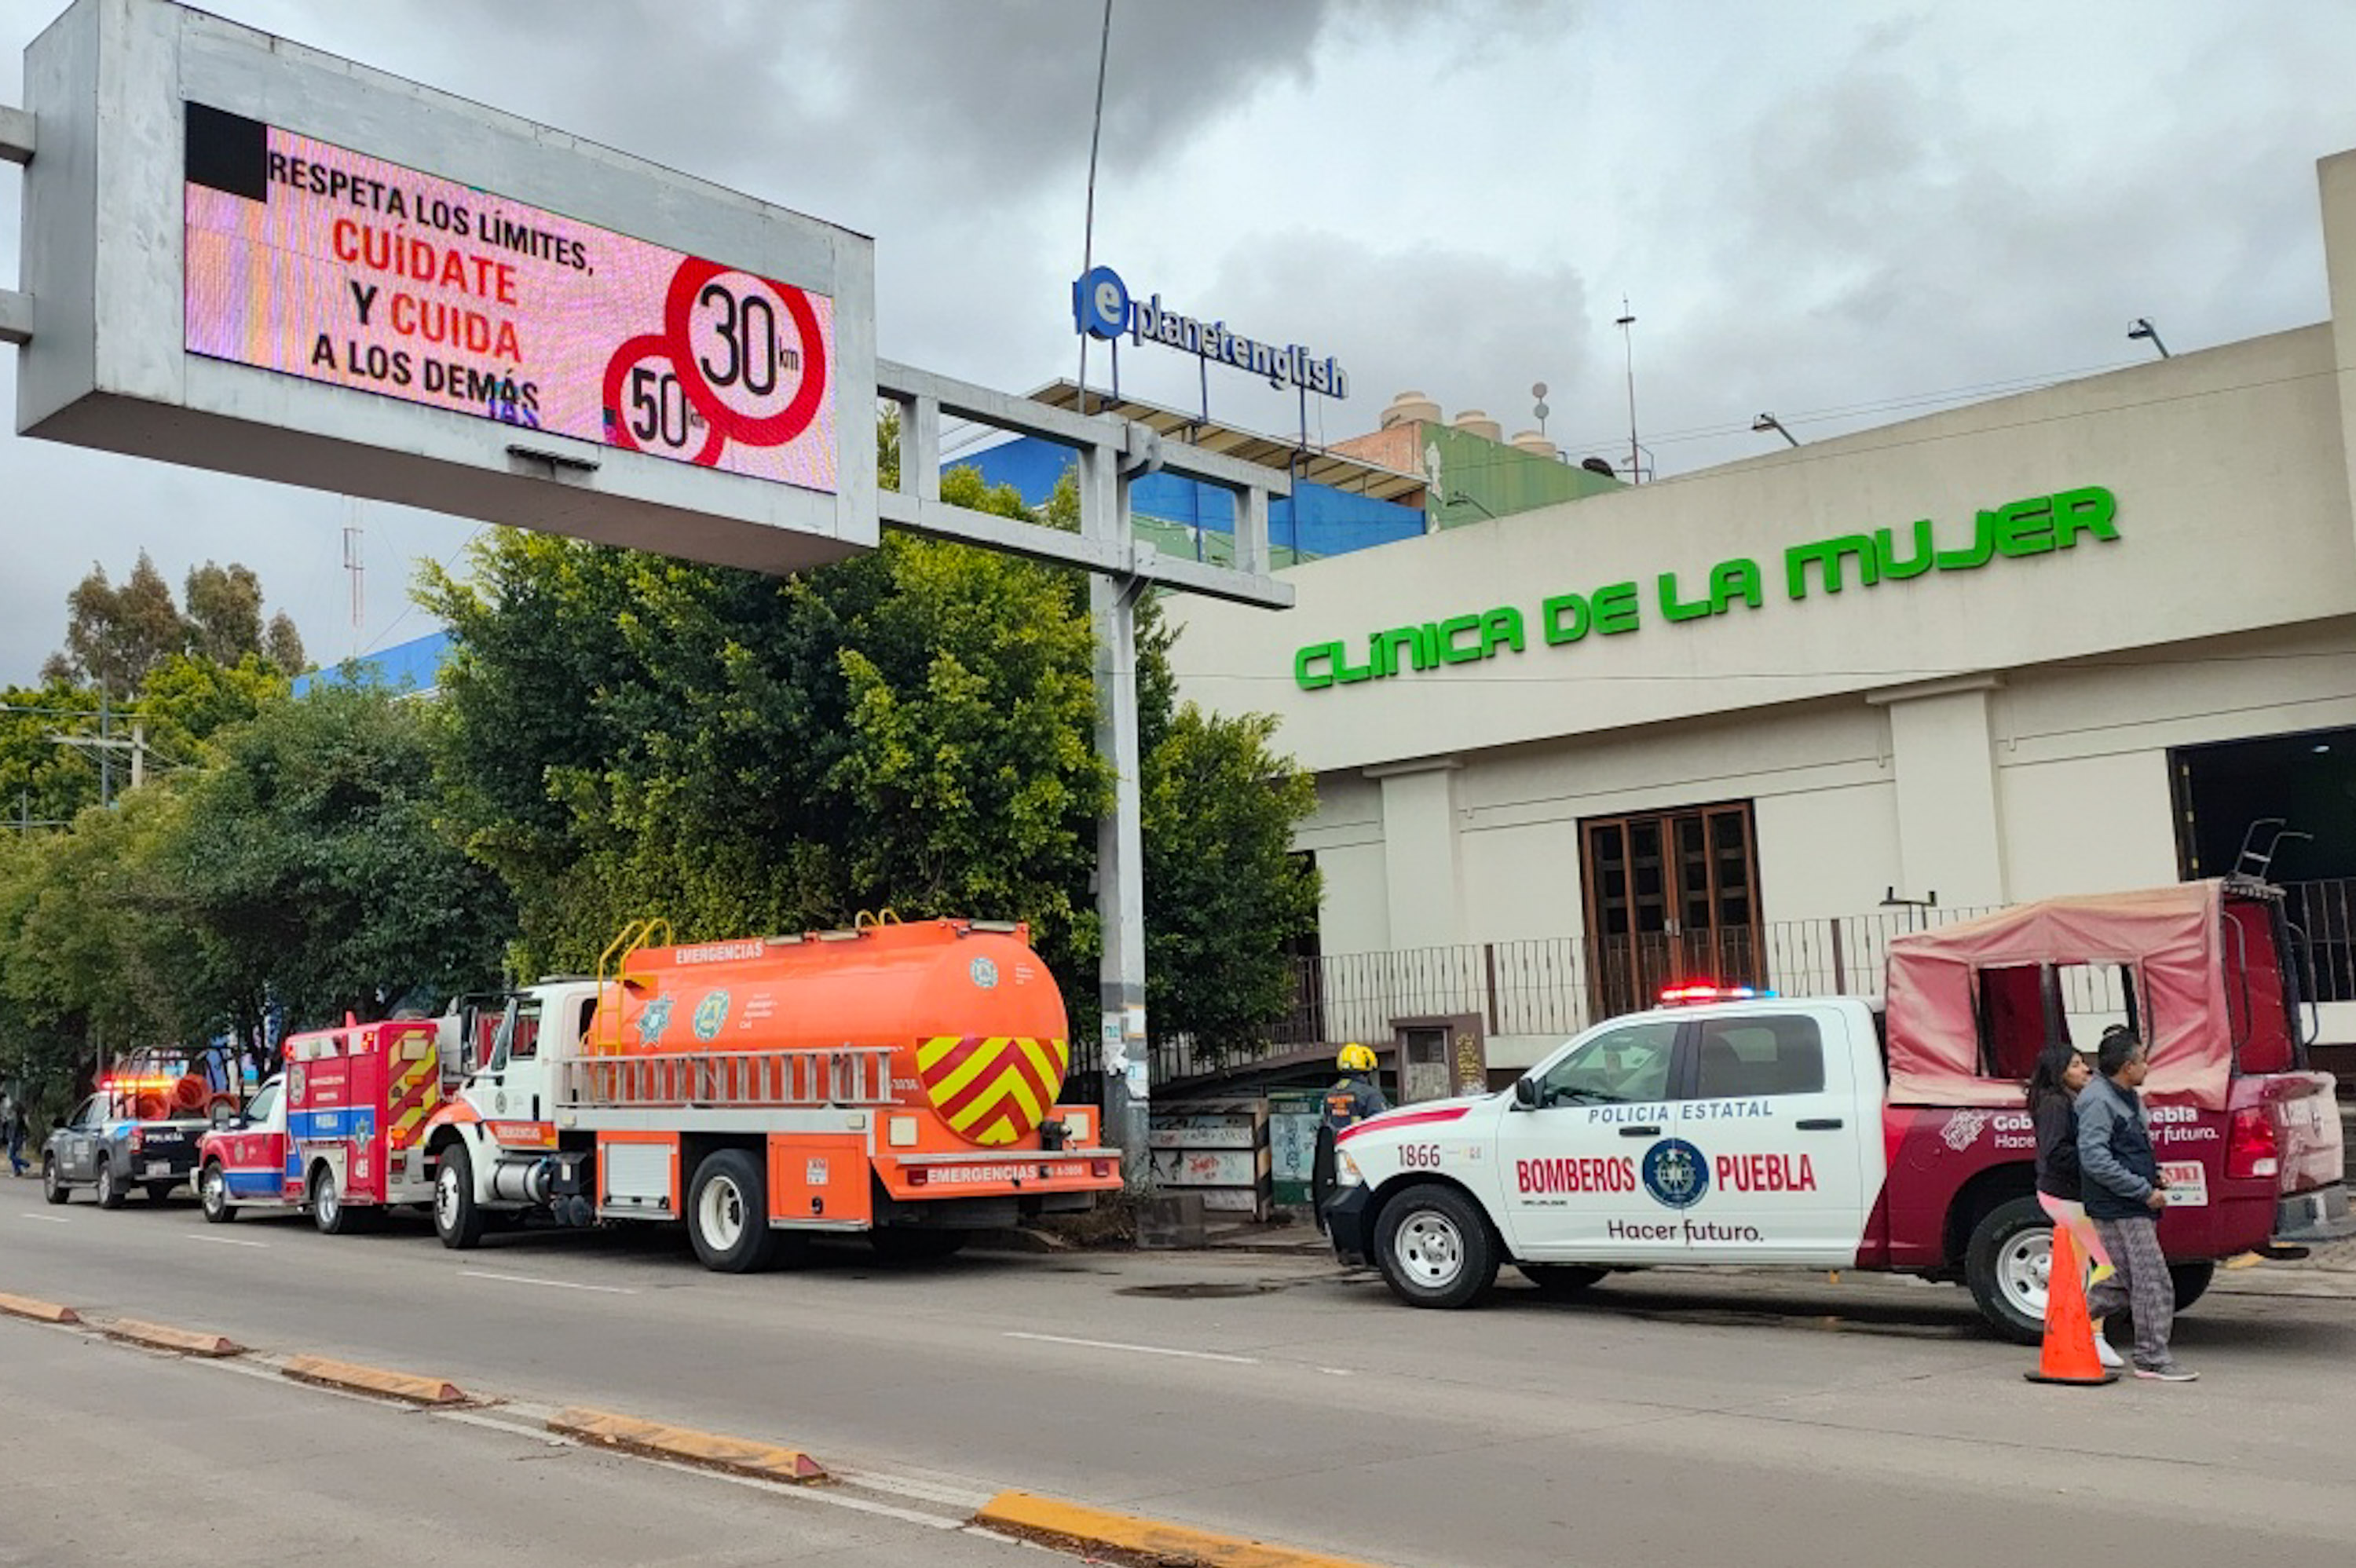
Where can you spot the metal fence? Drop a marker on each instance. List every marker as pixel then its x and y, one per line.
pixel 1559 985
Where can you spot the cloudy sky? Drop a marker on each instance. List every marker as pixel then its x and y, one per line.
pixel 1840 212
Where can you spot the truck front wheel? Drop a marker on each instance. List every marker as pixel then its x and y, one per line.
pixel 212 1191
pixel 457 1218
pixel 1433 1247
pixel 728 1214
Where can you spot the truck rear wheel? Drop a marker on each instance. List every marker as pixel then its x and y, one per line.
pixel 53 1183
pixel 1433 1247
pixel 728 1214
pixel 212 1191
pixel 2006 1264
pixel 109 1186
pixel 457 1218
pixel 328 1210
pixel 2192 1282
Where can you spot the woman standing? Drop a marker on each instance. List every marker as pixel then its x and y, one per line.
pixel 2052 1096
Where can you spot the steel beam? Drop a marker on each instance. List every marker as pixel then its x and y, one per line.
pixel 16 136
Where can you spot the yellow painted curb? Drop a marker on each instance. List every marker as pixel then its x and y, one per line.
pixel 1070 1525
pixel 406 1386
pixel 158 1337
pixel 764 1460
pixel 39 1311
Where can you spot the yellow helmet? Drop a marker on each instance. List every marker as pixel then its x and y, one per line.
pixel 1356 1058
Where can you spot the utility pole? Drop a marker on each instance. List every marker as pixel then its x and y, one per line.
pixel 106 744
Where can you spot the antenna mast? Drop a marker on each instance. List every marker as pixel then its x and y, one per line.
pixel 1627 322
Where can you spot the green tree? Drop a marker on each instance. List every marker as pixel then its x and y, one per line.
pixel 307 868
pixel 1224 891
pixel 92 958
pixel 115 635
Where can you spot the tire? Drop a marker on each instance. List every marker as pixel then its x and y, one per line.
pixel 53 1187
pixel 2192 1282
pixel 159 1191
pixel 109 1186
pixel 212 1192
pixel 728 1214
pixel 907 1246
pixel 2006 1264
pixel 457 1218
pixel 1433 1247
pixel 1561 1282
pixel 327 1209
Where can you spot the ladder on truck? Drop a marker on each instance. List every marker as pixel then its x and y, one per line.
pixel 609 1076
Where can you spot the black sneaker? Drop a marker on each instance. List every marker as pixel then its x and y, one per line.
pixel 2168 1372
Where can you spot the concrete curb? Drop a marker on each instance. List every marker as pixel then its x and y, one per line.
pixel 1074 1527
pixel 39 1311
pixel 764 1461
pixel 181 1341
pixel 408 1386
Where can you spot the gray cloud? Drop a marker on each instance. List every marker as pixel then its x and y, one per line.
pixel 1810 208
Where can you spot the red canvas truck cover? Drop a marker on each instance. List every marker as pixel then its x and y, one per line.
pixel 2170 936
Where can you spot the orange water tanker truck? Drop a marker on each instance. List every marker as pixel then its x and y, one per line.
pixel 898 1080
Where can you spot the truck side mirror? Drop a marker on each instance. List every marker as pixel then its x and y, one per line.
pixel 1525 1093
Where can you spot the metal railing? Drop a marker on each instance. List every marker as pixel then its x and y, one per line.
pixel 2326 913
pixel 853 1075
pixel 1559 985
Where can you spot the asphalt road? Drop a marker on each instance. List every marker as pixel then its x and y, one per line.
pixel 1670 1416
pixel 113 1456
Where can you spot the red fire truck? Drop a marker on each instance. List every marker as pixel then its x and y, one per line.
pixel 339 1133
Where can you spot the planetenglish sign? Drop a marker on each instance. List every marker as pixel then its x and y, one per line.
pixel 1102 308
pixel 2037 526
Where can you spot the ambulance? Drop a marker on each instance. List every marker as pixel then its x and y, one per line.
pixel 894 1081
pixel 1729 1127
pixel 338 1134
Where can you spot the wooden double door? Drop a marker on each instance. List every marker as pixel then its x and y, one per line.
pixel 1672 898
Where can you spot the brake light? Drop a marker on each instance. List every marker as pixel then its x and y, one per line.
pixel 1680 995
pixel 139 1137
pixel 1099 1168
pixel 2252 1147
pixel 916 1174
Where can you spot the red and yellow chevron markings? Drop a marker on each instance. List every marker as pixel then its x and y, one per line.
pixel 416 1089
pixel 992 1088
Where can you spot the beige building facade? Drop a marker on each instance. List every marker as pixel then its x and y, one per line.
pixel 2073 640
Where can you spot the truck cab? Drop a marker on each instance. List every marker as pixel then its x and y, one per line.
pixel 241 1163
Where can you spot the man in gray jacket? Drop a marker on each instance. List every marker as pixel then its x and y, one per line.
pixel 2125 1197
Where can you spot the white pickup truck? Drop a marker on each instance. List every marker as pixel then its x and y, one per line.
pixel 1835 1133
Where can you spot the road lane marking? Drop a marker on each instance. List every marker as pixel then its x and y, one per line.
pixel 52 1219
pixel 229 1241
pixel 1135 1349
pixel 552 1283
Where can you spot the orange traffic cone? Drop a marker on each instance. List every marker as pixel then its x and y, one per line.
pixel 2068 1356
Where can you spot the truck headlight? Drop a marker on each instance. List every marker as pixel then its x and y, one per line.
pixel 1346 1172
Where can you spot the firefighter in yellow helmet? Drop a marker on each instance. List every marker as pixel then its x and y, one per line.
pixel 1356 1096
pixel 1353 1098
